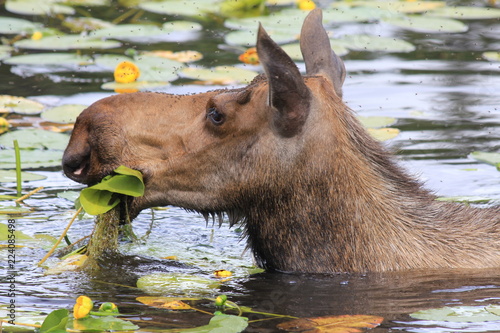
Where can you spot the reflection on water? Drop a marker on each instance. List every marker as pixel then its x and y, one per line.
pixel 446 100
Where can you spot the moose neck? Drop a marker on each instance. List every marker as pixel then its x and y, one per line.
pixel 354 209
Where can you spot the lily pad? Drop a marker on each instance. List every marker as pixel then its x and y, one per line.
pixel 11 25
pixel 81 24
pixel 9 176
pixel 492 56
pixel 5 51
pixel 58 60
pixel 458 314
pixel 37 7
pixel 31 159
pixel 67 42
pixel 293 50
pixel 179 7
pixel 427 24
pixel 220 75
pixel 19 105
pixel 383 134
pixel 486 157
pixel 376 121
pixel 134 86
pixel 35 138
pixel 342 13
pixel 287 22
pixel 4 230
pixel 63 114
pixel 221 323
pixel 401 6
pixel 248 38
pixel 466 13
pixel 101 324
pixel 176 284
pixel 373 43
pixel 465 199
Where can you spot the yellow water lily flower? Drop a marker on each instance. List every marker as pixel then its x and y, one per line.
pixel 222 273
pixel 126 72
pixel 37 35
pixel 250 56
pixel 4 125
pixel 82 307
pixel 306 5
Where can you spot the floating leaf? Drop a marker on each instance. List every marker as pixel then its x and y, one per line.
pixel 221 323
pixel 383 134
pixel 55 321
pixel 486 157
pixel 19 105
pixel 9 176
pixel 11 25
pixel 30 159
pixel 71 263
pixel 376 121
pixel 139 33
pixel 37 7
pixel 427 24
pixel 181 56
pixel 293 50
pixel 371 43
pixel 401 6
pixel 4 231
pixel 356 14
pixel 176 284
pixel 35 138
pixel 60 61
pixel 249 38
pixel 81 24
pixel 459 314
pixel 134 86
pixel 67 42
pixel 220 75
pixel 178 7
pixel 494 309
pixel 164 303
pixel 466 12
pixel 63 114
pixel 101 324
pixel 492 56
pixel 5 51
pixel 465 199
pixel 333 324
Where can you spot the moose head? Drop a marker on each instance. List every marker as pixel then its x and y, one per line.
pixel 286 157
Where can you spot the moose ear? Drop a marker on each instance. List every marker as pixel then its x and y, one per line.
pixel 288 94
pixel 317 51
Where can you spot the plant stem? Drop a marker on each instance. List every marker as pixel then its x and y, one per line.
pixel 18 168
pixel 26 196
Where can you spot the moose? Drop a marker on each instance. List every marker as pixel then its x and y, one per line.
pixel 290 161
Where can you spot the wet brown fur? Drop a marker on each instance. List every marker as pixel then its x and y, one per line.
pixel 315 192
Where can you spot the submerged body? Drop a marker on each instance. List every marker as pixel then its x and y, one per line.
pixel 284 155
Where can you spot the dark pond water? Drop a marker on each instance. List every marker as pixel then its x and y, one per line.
pixel 446 99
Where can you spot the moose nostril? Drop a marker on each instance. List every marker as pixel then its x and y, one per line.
pixel 76 166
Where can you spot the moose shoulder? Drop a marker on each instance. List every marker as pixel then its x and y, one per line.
pixel 287 158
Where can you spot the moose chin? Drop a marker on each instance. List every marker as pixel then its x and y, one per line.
pixel 288 159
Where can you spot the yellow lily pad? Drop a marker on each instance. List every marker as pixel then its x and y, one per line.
pixel 383 134
pixel 19 105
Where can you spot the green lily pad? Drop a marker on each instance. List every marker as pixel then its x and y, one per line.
pixel 458 314
pixel 55 321
pixel 11 25
pixel 179 7
pixel 248 38
pixel 63 114
pixel 486 157
pixel 67 42
pixel 293 50
pixel 427 24
pixel 220 75
pixel 37 7
pixel 274 23
pixel 376 121
pixel 5 51
pixel 101 324
pixel 177 284
pixel 69 195
pixel 373 43
pixel 466 13
pixel 9 176
pixel 406 7
pixel 35 138
pixel 134 86
pixel 465 199
pixel 221 323
pixel 13 210
pixel 19 105
pixel 108 62
pixel 57 60
pixel 31 159
pixel 81 24
pixel 354 14
pixel 492 56
pixel 4 230
pixel 157 69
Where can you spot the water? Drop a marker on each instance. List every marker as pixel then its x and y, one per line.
pixel 446 100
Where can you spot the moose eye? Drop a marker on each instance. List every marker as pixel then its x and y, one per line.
pixel 215 116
